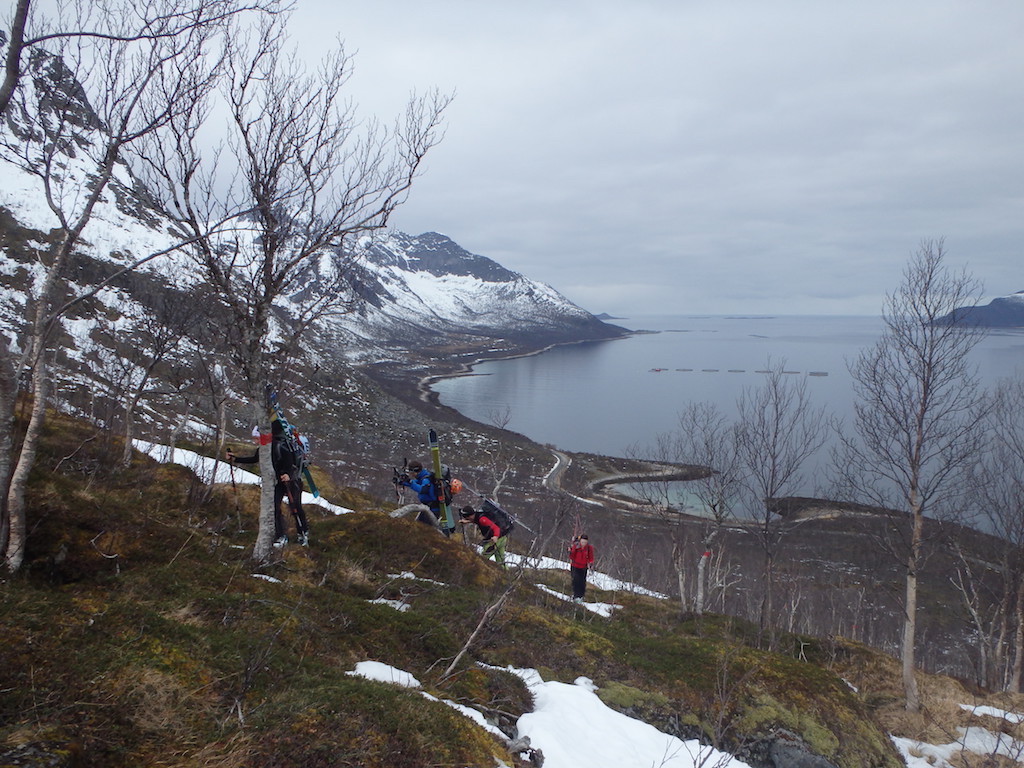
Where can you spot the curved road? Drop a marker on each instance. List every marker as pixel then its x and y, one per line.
pixel 553 479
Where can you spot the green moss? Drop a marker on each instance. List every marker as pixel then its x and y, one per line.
pixel 140 607
pixel 367 723
pixel 767 714
pixel 621 696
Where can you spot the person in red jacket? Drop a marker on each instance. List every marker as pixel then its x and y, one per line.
pixel 493 540
pixel 581 555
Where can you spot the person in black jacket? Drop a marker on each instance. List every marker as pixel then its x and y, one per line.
pixel 289 484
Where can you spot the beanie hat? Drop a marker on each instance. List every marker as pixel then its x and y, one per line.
pixel 415 466
pixel 467 512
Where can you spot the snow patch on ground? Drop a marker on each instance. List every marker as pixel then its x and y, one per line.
pixel 602 609
pixel 384 673
pixel 978 741
pixel 215 471
pixel 598 579
pixel 1002 714
pixel 399 605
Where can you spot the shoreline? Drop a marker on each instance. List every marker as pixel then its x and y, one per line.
pixel 595 488
pixel 598 485
pixel 463 369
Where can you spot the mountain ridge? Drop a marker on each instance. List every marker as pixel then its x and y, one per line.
pixel 401 287
pixel 1001 312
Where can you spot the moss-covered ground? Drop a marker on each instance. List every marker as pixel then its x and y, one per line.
pixel 141 633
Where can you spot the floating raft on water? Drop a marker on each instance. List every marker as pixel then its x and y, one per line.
pixel 736 370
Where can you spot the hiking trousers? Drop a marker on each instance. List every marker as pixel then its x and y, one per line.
pixel 496 549
pixel 579 581
pixel 292 490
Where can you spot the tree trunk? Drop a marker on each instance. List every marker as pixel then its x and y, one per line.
pixel 907 655
pixel 129 429
pixel 15 555
pixel 8 403
pixel 15 45
pixel 265 535
pixel 1001 646
pixel 766 621
pixel 679 565
pixel 1018 642
pixel 702 568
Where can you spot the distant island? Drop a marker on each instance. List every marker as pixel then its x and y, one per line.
pixel 1004 312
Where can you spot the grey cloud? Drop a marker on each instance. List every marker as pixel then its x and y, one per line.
pixel 766 156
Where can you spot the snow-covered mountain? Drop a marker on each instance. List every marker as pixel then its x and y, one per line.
pixel 412 291
pixel 429 290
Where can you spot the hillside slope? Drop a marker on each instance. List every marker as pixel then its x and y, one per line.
pixel 141 635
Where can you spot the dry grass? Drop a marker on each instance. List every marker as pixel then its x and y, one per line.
pixel 178 657
pixel 157 702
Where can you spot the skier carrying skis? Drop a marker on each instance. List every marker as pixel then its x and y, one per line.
pixel 289 483
pixel 421 481
pixel 581 555
pixel 493 541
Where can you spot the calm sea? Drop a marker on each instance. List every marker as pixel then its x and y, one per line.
pixel 611 397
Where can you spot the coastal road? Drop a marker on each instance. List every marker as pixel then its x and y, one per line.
pixel 553 479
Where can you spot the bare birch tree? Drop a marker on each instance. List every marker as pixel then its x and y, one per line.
pixel 118 21
pixel 658 492
pixel 304 178
pixel 93 96
pixel 707 439
pixel 778 430
pixel 917 415
pixel 138 344
pixel 704 450
pixel 998 489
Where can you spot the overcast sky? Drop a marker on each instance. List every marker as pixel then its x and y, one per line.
pixel 706 157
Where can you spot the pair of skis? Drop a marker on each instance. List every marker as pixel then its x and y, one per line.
pixel 435 457
pixel 289 433
pixel 446 510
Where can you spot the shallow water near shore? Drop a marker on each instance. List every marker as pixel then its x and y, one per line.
pixel 615 397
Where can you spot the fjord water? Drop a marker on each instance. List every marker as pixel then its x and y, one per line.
pixel 610 397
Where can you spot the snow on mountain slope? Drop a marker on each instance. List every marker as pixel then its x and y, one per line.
pixel 432 282
pixel 410 290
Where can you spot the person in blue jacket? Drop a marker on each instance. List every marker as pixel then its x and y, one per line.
pixel 419 480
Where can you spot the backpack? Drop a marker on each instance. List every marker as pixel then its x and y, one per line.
pixel 502 518
pixel 447 487
pixel 299 445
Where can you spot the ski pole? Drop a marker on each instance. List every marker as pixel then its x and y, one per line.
pixel 234 491
pixel 294 508
pixel 399 488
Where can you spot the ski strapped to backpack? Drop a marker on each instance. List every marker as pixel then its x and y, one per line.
pixel 447 517
pixel 297 443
